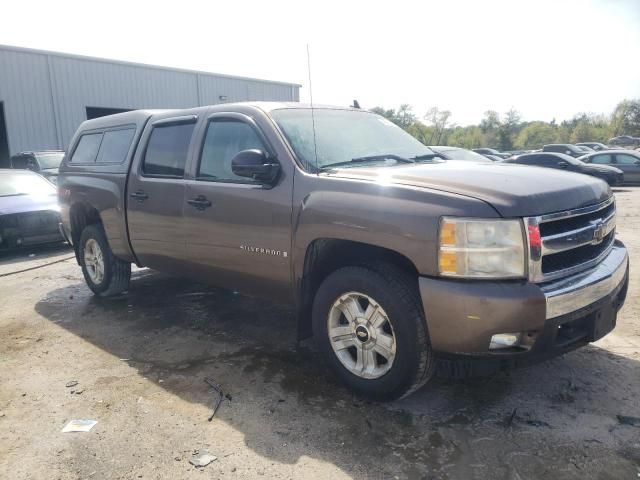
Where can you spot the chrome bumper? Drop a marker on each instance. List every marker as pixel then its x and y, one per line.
pixel 575 292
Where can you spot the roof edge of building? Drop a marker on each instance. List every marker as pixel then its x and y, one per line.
pixel 37 51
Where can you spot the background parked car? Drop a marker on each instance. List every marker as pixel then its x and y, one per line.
pixel 29 212
pixel 626 160
pixel 46 163
pixel 611 175
pixel 584 148
pixel 625 141
pixel 597 146
pixel 565 148
pixel 491 151
pixel 455 153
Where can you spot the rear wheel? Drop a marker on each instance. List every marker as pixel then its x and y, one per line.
pixel 105 274
pixel 368 322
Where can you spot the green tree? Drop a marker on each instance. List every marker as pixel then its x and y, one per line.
pixel 466 137
pixel 535 135
pixel 626 118
pixel 508 130
pixel 438 119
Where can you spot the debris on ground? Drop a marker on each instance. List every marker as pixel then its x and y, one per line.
pixel 221 396
pixel 626 420
pixel 202 458
pixel 79 426
pixel 72 383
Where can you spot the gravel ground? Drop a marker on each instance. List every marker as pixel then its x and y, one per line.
pixel 141 359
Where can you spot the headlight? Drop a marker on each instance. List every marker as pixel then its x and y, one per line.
pixel 479 248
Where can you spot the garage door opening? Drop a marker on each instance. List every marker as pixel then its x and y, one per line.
pixel 4 139
pixel 97 112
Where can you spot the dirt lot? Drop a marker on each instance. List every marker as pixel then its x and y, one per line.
pixel 140 361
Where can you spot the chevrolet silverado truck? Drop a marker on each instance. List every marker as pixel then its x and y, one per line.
pixel 398 262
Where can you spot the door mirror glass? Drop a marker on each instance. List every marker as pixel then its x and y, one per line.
pixel 254 164
pixel 562 164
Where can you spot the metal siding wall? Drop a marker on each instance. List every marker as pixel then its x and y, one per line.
pixel 45 95
pixel 80 83
pixel 25 93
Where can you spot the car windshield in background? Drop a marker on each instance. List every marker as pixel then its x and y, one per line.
pixel 461 154
pixel 347 138
pixel 25 184
pixel 50 160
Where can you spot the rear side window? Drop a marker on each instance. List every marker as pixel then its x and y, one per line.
pixel 87 148
pixel 626 159
pixel 167 149
pixel 115 145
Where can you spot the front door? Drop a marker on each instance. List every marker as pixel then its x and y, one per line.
pixel 156 193
pixel 238 230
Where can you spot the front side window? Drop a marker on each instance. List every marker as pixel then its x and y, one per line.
pixel 626 159
pixel 167 149
pixel 224 139
pixel 344 135
pixel 87 148
pixel 602 159
pixel 115 146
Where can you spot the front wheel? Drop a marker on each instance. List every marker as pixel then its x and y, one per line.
pixel 369 324
pixel 106 275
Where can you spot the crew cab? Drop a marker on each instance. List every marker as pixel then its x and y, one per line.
pixel 398 262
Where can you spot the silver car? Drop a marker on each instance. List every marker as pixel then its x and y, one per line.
pixel 626 160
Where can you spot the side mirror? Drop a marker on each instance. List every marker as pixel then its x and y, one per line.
pixel 637 162
pixel 563 164
pixel 254 164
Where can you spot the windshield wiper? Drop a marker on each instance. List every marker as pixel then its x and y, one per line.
pixel 426 156
pixel 370 158
pixel 14 194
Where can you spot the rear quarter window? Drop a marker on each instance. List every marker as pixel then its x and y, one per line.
pixel 87 149
pixel 115 145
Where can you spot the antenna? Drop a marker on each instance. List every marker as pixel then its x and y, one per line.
pixel 313 117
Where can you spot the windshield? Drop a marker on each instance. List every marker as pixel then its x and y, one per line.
pixel 49 160
pixel 460 154
pixel 12 184
pixel 344 135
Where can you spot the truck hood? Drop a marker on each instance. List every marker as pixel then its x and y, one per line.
pixel 513 190
pixel 28 203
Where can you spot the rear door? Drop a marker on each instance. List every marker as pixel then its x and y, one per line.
pixel 630 165
pixel 155 194
pixel 238 230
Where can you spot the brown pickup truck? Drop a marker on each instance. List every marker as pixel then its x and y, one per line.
pixel 399 263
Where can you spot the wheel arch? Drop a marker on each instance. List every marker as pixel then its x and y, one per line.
pixel 81 215
pixel 323 256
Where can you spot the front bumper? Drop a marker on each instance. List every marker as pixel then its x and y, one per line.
pixel 29 228
pixel 553 318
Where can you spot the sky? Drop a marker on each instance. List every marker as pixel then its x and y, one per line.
pixel 546 58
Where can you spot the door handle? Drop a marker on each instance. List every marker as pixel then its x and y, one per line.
pixel 140 196
pixel 200 202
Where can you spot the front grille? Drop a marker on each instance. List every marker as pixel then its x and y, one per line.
pixel 571 241
pixel 18 229
pixel 40 222
pixel 563 225
pixel 570 258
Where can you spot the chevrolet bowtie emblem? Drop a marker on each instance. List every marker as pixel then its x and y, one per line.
pixel 599 233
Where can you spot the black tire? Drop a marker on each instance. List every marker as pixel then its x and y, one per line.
pixel 397 293
pixel 117 273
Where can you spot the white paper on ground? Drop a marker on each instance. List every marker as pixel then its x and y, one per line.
pixel 79 426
